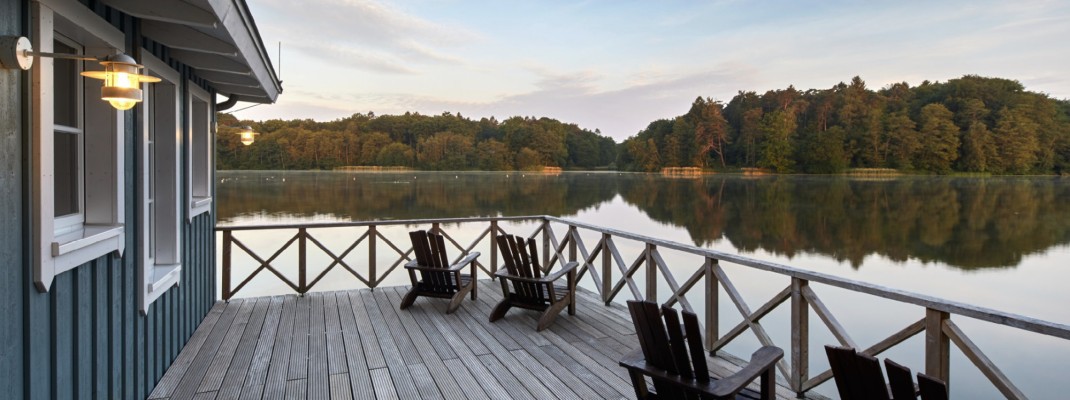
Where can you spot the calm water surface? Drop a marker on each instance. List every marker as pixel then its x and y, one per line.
pixel 1002 243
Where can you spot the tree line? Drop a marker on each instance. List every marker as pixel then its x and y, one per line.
pixel 441 142
pixel 970 124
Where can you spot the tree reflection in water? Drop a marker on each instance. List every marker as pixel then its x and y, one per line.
pixel 967 223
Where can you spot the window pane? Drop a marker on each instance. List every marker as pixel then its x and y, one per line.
pixel 65 80
pixel 66 173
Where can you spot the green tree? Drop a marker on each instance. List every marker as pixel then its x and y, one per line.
pixel 1016 141
pixel 493 155
pixel 776 151
pixel 939 139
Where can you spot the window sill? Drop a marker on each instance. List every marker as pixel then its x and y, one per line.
pixel 199 205
pixel 164 276
pixel 79 247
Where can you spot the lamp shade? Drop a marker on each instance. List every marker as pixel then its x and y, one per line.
pixel 248 136
pixel 122 82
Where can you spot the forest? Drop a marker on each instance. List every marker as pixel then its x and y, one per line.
pixel 441 142
pixel 971 124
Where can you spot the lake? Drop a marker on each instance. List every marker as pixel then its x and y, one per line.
pixel 999 242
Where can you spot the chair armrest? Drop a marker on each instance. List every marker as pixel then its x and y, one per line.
pixel 453 268
pixel 504 273
pixel 763 359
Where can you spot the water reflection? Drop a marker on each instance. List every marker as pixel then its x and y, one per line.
pixel 967 223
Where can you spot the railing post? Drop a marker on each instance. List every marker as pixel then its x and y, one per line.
pixel 493 247
pixel 607 269
pixel 226 265
pixel 937 345
pixel 545 242
pixel 800 335
pixel 302 262
pixel 651 274
pixel 572 243
pixel 372 233
pixel 712 304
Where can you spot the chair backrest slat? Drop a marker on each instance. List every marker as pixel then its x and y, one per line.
pixel 680 357
pixel 900 381
pixel 932 388
pixel 695 345
pixel 871 377
pixel 842 363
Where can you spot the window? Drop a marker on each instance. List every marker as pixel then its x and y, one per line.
pixel 77 162
pixel 161 231
pixel 200 152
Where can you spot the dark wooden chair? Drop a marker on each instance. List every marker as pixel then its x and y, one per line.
pixel 531 289
pixel 437 278
pixel 679 371
pixel 857 376
pixel 932 388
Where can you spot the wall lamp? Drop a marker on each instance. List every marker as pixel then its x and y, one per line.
pixel 122 82
pixel 247 135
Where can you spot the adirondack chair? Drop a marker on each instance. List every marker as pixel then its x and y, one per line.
pixel 679 371
pixel 531 289
pixel 437 278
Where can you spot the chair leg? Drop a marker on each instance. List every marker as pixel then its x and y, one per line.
pixel 550 314
pixel 457 299
pixel 572 292
pixel 500 309
pixel 639 384
pixel 409 298
pixel 768 384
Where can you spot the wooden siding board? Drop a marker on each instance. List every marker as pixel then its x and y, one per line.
pixel 83 331
pixel 62 343
pixel 15 287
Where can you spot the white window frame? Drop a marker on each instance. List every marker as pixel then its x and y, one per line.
pixel 159 174
pixel 99 228
pixel 201 139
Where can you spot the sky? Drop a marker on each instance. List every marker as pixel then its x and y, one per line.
pixel 616 66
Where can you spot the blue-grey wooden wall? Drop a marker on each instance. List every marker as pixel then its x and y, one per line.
pixel 85 338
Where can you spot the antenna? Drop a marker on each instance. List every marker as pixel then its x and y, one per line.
pixel 280 61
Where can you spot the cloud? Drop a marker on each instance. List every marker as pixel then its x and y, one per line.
pixel 363 34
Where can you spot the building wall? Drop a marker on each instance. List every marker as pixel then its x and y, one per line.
pixel 13 273
pixel 85 337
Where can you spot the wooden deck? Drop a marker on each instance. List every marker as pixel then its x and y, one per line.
pixel 358 345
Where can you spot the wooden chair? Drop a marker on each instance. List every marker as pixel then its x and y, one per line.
pixel 437 277
pixel 679 371
pixel 932 388
pixel 530 288
pixel 857 376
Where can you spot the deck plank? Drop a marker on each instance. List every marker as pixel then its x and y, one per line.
pixel 360 383
pixel 358 344
pixel 318 370
pixel 274 387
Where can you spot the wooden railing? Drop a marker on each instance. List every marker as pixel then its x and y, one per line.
pixel 608 273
